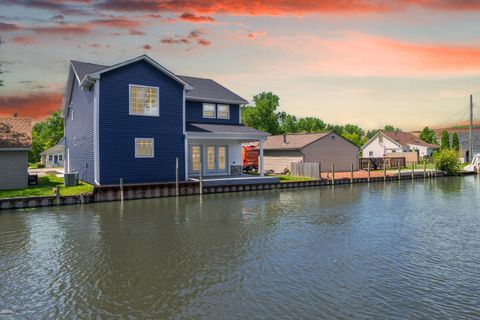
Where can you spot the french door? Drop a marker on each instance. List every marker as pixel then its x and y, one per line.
pixel 211 159
pixel 216 159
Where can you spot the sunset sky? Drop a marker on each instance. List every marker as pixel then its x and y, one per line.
pixel 409 63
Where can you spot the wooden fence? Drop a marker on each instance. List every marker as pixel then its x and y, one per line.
pixel 410 157
pixel 301 169
pixel 379 163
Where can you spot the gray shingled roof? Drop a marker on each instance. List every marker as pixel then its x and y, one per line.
pixel 84 68
pixel 294 141
pixel 58 148
pixel 204 89
pixel 210 90
pixel 222 128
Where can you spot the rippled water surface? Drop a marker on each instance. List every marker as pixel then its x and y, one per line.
pixel 394 251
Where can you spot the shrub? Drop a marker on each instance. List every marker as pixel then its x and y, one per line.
pixel 40 165
pixel 447 160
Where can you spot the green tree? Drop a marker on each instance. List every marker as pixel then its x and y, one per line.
pixel 311 124
pixel 447 160
pixel 455 142
pixel 263 115
pixel 46 134
pixel 428 135
pixel 390 128
pixel 288 123
pixel 445 144
pixel 372 133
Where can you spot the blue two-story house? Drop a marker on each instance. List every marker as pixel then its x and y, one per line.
pixel 134 119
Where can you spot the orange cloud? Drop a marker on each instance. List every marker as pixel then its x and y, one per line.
pixel 285 7
pixel 357 54
pixel 33 105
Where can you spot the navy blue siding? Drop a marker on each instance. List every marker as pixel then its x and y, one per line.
pixel 79 133
pixel 118 129
pixel 194 111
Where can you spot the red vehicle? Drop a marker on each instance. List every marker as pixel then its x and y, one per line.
pixel 250 157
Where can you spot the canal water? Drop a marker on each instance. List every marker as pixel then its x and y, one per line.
pixel 401 250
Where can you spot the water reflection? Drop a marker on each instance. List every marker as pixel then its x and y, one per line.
pixel 388 250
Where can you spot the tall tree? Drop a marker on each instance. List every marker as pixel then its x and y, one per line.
pixel 311 124
pixel 390 128
pixel 372 133
pixel 46 134
pixel 445 143
pixel 263 115
pixel 288 123
pixel 455 142
pixel 428 135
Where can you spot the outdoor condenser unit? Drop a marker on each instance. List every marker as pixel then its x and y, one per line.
pixel 71 179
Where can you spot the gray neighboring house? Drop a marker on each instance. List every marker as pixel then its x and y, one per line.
pixel 15 142
pixel 54 156
pixel 463 137
pixel 326 148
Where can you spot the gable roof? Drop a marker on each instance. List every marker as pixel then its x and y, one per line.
pixel 210 91
pixel 15 133
pixel 83 68
pixel 58 148
pixel 295 141
pixel 96 74
pixel 406 138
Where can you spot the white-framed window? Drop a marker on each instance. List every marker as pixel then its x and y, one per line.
pixel 208 110
pixel 60 157
pixel 144 100
pixel 380 139
pixel 144 148
pixel 50 157
pixel 370 153
pixel 223 111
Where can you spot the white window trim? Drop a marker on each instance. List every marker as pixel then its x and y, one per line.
pixel 130 101
pixel 223 105
pixel 153 147
pixel 214 111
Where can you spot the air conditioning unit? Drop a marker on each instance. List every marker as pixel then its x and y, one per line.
pixel 70 179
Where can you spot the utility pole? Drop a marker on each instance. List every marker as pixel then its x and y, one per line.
pixel 470 133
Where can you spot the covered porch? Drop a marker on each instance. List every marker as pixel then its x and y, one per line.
pixel 214 151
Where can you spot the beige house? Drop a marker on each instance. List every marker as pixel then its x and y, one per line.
pixel 15 142
pixel 54 156
pixel 326 148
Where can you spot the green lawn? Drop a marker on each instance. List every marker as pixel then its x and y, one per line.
pixel 289 178
pixel 420 166
pixel 45 188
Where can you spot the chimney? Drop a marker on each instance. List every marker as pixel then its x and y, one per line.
pixel 15 115
pixel 284 138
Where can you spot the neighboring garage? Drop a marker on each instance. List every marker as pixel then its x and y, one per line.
pixel 323 147
pixel 15 142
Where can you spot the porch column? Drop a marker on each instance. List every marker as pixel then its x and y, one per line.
pixel 261 158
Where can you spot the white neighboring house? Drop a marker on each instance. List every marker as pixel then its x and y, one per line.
pixel 54 156
pixel 390 142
